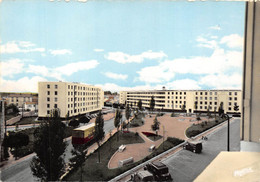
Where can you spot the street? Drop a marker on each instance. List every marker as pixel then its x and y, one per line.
pixel 185 166
pixel 21 171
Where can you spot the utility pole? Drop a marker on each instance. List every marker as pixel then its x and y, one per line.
pixel 2 126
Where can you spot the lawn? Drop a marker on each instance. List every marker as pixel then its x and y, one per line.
pixel 27 120
pixel 137 120
pixel 201 127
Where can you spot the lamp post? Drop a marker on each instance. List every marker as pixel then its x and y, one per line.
pixel 228 132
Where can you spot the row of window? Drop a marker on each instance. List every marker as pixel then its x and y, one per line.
pixel 82 88
pixel 83 99
pixel 49 86
pixel 82 104
pixel 176 93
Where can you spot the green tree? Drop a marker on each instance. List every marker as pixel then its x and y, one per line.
pixel 11 109
pixel 139 105
pixel 127 113
pixel 183 107
pixel 152 103
pixel 156 125
pixel 117 120
pixel 79 157
pixel 49 146
pixel 5 147
pixel 99 131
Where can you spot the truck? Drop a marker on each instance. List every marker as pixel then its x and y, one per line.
pixel 194 146
pixel 159 170
pixel 83 134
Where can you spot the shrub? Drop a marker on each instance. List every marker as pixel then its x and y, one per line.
pixel 193 133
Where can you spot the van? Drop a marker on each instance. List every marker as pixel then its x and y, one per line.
pixel 194 146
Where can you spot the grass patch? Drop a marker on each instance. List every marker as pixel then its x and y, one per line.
pixel 93 171
pixel 27 120
pixel 154 138
pixel 137 120
pixel 9 116
pixel 201 127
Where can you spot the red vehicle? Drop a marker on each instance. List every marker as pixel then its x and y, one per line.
pixel 83 134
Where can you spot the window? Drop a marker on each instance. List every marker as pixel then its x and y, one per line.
pixel 200 98
pixel 235 98
pixel 229 103
pixel 216 98
pixel 210 98
pixel 68 87
pixel 229 108
pixel 206 93
pixel 180 93
pixel 206 103
pixel 235 93
pixel 55 106
pixel 56 86
pixel 180 97
pixel 48 86
pixel 48 92
pixel 200 102
pixel 176 101
pixel 230 93
pixel 230 98
pixel 210 103
pixel 210 93
pixel 196 93
pixel 184 93
pixel 48 98
pixel 68 93
pixel 176 97
pixel 200 107
pixel 180 102
pixel 48 112
pixel 205 107
pixel 216 93
pixel 206 98
pixel 48 105
pixel 216 103
pixel 56 99
pixel 56 92
pixel 201 93
pixel 176 93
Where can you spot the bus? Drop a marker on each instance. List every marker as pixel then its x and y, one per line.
pixel 83 134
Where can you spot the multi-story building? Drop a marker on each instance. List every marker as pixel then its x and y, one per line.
pixel 191 100
pixel 19 99
pixel 72 99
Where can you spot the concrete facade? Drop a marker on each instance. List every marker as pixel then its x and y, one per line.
pixel 250 125
pixel 175 99
pixel 19 99
pixel 71 98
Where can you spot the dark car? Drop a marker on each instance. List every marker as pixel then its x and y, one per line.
pixel 142 176
pixel 159 170
pixel 195 146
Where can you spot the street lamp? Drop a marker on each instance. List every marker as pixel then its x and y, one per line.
pixel 228 131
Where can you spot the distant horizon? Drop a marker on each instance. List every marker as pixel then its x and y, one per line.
pixel 122 45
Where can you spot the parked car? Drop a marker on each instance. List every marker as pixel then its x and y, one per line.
pixel 195 146
pixel 142 176
pixel 159 170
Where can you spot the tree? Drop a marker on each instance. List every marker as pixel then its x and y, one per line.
pixel 208 112
pixel 11 109
pixel 99 131
pixel 196 106
pixel 83 119
pixel 127 112
pixel 220 109
pixel 152 103
pixel 49 146
pixel 156 125
pixel 117 120
pixel 16 140
pixel 79 157
pixel 236 107
pixel 140 105
pixel 183 107
pixel 5 155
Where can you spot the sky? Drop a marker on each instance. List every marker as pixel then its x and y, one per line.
pixel 121 45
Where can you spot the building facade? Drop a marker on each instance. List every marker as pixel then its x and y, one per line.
pixel 191 100
pixel 72 99
pixel 20 99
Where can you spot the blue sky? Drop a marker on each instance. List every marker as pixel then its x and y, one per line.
pixel 121 45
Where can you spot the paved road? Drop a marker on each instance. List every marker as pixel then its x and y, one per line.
pixel 21 171
pixel 185 166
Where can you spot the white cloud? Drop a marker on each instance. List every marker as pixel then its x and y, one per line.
pixel 24 84
pixel 232 41
pixel 60 52
pixel 222 81
pixel 116 76
pixel 185 84
pixel 59 72
pixel 123 58
pixel 216 27
pixel 213 37
pixel 155 74
pixel 11 67
pixel 212 44
pixel 19 47
pixel 116 88
pixel 98 50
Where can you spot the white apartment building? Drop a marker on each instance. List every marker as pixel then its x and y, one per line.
pixel 71 98
pixel 175 99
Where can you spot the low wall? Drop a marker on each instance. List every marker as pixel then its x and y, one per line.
pixel 18 118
